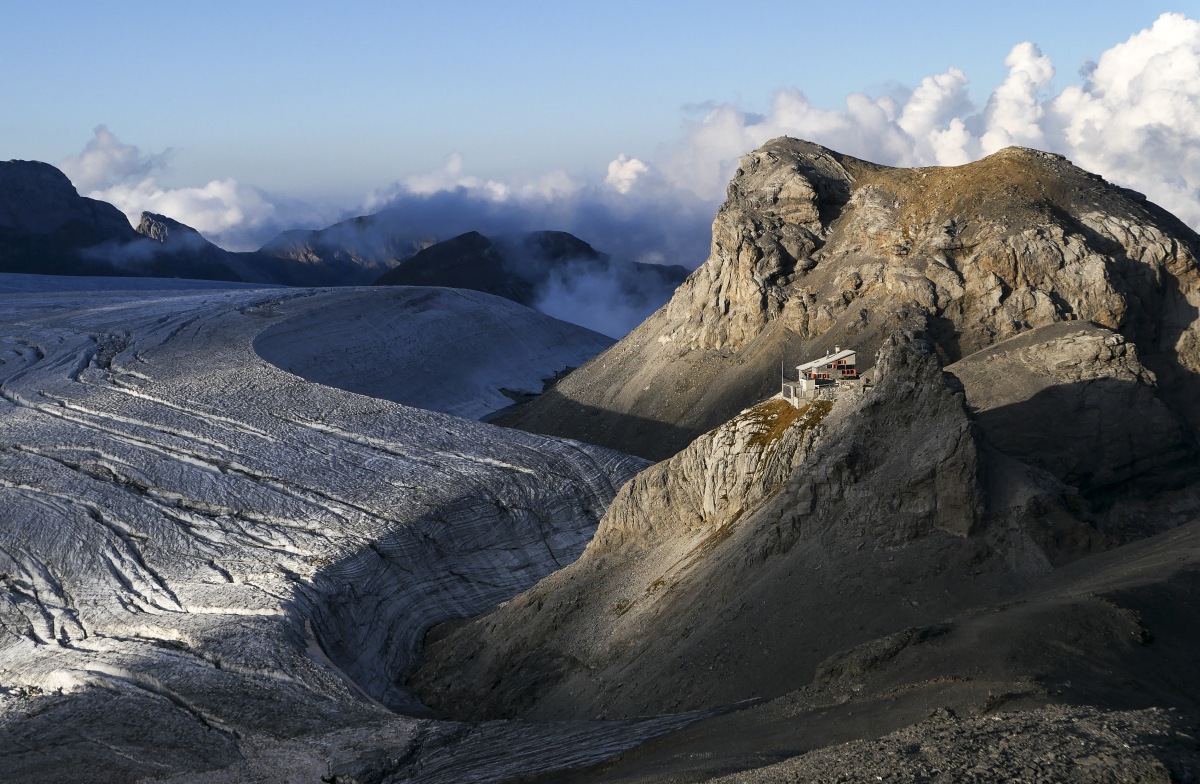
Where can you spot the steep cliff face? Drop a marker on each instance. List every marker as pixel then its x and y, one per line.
pixel 813 248
pixel 732 569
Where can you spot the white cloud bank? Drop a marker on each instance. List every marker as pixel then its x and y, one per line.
pixel 105 162
pixel 236 216
pixel 1134 119
pixel 213 209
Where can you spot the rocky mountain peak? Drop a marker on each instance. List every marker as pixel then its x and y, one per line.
pixel 814 248
pixel 37 198
pixel 35 177
pixel 1031 405
pixel 798 182
pixel 536 268
pixel 557 245
pixel 161 228
pixel 1000 226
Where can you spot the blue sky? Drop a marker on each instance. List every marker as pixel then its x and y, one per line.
pixel 325 103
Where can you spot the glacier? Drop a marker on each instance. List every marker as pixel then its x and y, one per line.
pixel 212 568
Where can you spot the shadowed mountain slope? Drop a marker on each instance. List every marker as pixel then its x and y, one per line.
pixel 857 566
pixel 47 228
pixel 470 261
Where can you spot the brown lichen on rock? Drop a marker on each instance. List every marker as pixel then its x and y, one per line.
pixel 774 417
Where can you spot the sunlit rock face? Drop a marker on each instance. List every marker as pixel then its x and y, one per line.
pixel 814 249
pixel 203 555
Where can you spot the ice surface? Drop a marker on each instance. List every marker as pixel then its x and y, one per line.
pixel 205 558
pixel 443 349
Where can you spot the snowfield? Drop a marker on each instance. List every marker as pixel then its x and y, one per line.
pixel 213 569
pixel 448 350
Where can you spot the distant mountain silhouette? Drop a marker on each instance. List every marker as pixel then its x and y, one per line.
pixel 46 227
pixel 350 252
pixel 521 267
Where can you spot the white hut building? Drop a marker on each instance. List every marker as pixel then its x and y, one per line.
pixel 820 376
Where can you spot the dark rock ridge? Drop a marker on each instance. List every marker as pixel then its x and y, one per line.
pixel 469 260
pixel 814 248
pixel 38 199
pixel 45 225
pixel 521 267
pixel 186 253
